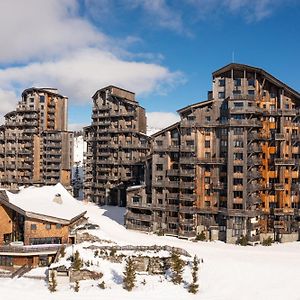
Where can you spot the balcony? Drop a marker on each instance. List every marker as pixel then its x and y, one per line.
pixel 188 123
pixel 187 148
pixel 187 172
pixel 245 122
pixel 242 97
pixel 279 224
pixel 246 110
pixel 172 196
pixel 254 148
pixel 254 161
pixel 187 185
pixel 217 185
pixel 172 207
pixel 284 161
pixel 296 137
pixel 173 172
pixel 254 187
pixel 172 219
pixel 254 199
pixel 283 211
pixel 188 222
pixel 211 161
pixel 187 160
pixel 279 137
pixel 279 186
pixel 254 175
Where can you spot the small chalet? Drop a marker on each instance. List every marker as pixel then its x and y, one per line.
pixel 34 222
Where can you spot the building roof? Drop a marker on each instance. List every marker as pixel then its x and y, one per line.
pixel 270 77
pixel 110 87
pixel 165 129
pixel 51 203
pixel 52 91
pixel 195 105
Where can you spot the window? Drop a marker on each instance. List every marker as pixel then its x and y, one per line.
pixel 207 144
pixel 238 144
pixel 238 104
pixel 238 194
pixel 237 181
pixel 238 169
pixel 58 226
pixel 159 143
pixel 42 99
pixel 238 82
pixel 48 226
pixel 251 82
pixel 33 226
pixel 159 167
pixel 207 179
pixel 207 119
pixel 135 199
pixel 238 131
pixel 207 155
pixel 190 143
pixel 221 95
pixel 238 156
pixel 221 82
pixel 251 92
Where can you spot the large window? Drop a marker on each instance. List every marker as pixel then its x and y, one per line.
pixel 46 240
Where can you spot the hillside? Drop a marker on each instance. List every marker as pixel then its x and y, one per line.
pixel 227 272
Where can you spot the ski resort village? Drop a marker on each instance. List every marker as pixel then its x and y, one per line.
pixel 149 149
pixel 208 204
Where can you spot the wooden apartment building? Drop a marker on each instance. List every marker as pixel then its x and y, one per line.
pixel 35 144
pixel 229 167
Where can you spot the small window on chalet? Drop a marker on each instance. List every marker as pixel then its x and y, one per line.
pixel 159 143
pixel 135 199
pixel 48 226
pixel 42 99
pixel 58 226
pixel 33 226
pixel 251 92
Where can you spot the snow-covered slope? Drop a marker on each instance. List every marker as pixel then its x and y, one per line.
pixel 229 272
pixel 78 149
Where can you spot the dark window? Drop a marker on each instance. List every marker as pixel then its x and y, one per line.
pixel 159 167
pixel 42 99
pixel 58 226
pixel 33 226
pixel 221 95
pixel 207 144
pixel 238 82
pixel 221 82
pixel 136 199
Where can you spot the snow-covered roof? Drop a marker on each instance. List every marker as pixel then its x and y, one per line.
pixel 47 201
pixel 135 187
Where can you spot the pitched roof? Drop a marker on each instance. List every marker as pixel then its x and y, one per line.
pixel 53 203
pixel 270 77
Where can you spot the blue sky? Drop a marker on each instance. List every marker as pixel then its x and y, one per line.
pixel 165 51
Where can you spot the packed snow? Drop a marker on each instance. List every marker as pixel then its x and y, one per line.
pixel 228 271
pixel 54 201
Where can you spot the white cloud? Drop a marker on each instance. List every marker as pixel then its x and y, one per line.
pixel 159 120
pixel 79 75
pixel 50 44
pixel 42 29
